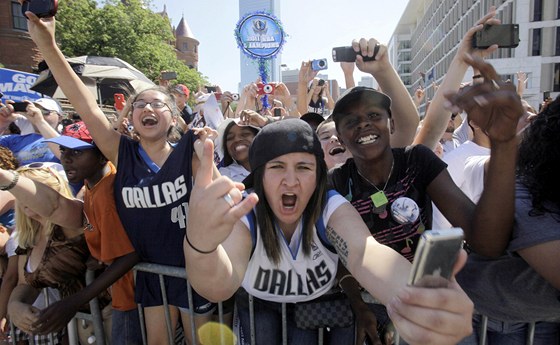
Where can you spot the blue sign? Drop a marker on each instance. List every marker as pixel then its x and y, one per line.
pixel 260 35
pixel 15 85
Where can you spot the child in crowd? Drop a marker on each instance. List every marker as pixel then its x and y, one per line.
pixel 152 184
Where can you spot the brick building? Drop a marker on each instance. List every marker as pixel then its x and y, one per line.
pixel 17 50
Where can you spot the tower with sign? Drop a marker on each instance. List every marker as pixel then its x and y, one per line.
pixel 260 37
pixel 247 64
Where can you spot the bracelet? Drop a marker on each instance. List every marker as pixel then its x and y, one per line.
pixel 476 76
pixel 12 184
pixel 196 249
pixel 342 279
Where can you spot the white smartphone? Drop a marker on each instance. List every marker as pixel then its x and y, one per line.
pixel 435 257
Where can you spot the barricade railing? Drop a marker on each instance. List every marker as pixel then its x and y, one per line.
pixel 178 272
pixel 94 317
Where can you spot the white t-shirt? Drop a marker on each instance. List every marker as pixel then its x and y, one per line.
pixel 456 161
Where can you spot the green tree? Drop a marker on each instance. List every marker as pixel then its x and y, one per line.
pixel 128 31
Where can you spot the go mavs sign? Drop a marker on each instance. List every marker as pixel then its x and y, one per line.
pixel 260 35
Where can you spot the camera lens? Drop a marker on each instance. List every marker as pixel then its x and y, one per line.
pixel 268 88
pixel 322 63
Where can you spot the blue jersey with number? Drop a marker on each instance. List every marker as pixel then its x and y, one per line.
pixel 153 207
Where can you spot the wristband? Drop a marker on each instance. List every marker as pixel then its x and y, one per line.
pixel 342 279
pixel 12 184
pixel 196 249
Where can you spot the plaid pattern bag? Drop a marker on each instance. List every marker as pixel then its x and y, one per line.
pixel 332 310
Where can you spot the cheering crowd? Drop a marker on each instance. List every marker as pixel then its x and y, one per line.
pixel 312 200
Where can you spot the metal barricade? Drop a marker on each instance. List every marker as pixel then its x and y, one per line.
pixel 95 317
pixel 179 272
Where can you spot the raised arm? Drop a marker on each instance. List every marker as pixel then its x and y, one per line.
pixel 217 244
pixel 437 116
pixel 42 32
pixel 497 108
pixel 404 112
pixel 45 201
pixel 305 76
pixel 441 316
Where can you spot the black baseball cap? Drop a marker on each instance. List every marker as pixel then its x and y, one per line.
pixel 280 138
pixel 312 117
pixel 354 95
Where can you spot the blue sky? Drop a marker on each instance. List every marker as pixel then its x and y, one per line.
pixel 313 28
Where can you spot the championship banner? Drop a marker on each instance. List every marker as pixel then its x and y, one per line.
pixel 15 85
pixel 260 36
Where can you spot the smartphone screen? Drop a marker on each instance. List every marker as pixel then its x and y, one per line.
pixel 504 35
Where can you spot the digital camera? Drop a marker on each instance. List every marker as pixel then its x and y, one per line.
pixel 319 64
pixel 41 8
pixel 235 97
pixel 265 89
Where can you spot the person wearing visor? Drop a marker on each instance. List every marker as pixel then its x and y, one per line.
pixel 97 219
pixel 44 115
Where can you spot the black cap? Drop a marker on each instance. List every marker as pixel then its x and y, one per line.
pixel 312 117
pixel 355 94
pixel 280 138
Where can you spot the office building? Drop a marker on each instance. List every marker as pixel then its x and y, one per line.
pixel 429 32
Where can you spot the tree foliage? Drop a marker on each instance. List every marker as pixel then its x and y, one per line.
pixel 125 29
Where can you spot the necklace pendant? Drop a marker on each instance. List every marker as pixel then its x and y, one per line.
pixel 379 199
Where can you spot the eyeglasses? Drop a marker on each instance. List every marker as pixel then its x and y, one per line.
pixel 153 104
pixel 70 152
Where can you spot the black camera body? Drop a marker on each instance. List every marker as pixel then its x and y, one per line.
pixel 41 8
pixel 347 54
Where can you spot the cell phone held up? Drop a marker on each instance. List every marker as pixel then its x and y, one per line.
pixel 41 8
pixel 504 35
pixel 347 54
pixel 435 257
pixel 120 101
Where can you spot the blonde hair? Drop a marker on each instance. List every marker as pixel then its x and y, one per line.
pixel 28 228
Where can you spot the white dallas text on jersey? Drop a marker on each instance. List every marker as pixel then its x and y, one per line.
pixel 156 195
pixel 290 283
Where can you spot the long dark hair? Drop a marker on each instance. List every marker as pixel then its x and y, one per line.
pixel 313 210
pixel 539 154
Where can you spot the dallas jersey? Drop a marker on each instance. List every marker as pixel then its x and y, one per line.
pixel 152 204
pixel 297 277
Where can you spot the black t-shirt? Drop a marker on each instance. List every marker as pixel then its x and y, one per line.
pixel 415 167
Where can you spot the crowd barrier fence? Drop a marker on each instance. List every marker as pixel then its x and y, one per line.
pixel 96 318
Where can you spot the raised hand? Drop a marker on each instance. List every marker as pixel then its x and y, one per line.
pixel 306 74
pixel 494 105
pixel 41 30
pixel 466 46
pixel 433 315
pixel 214 206
pixel 369 48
